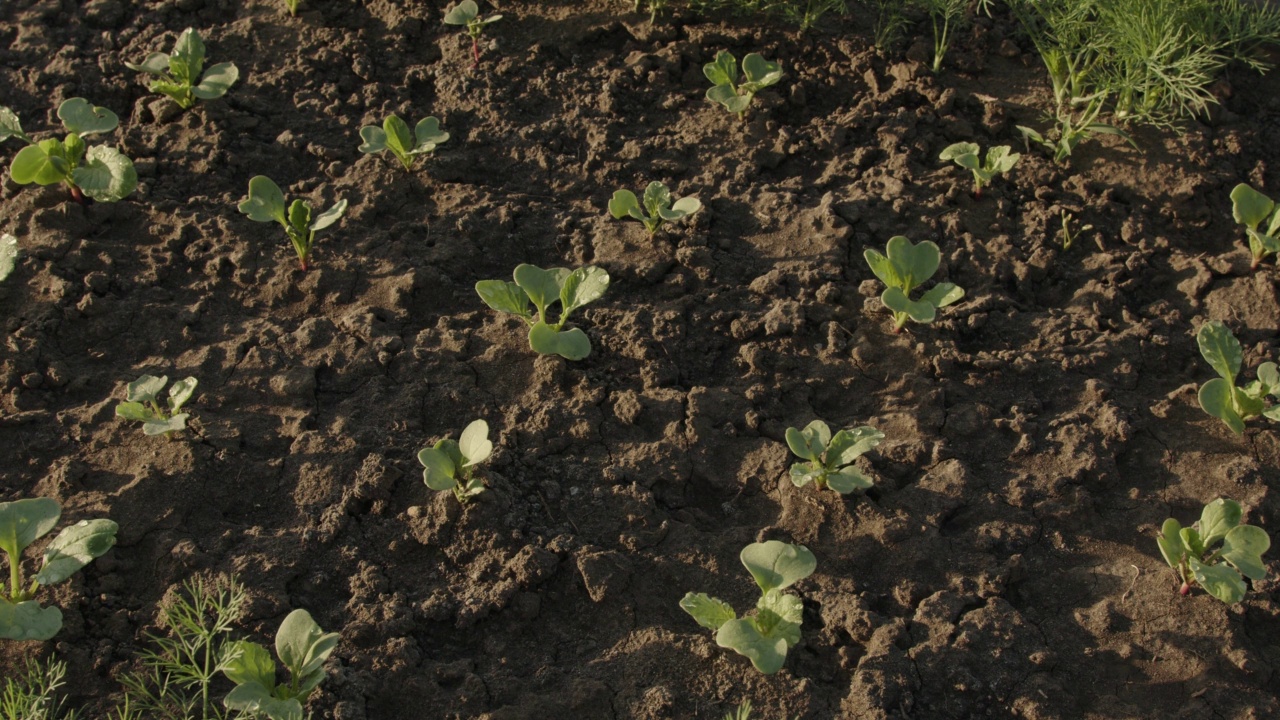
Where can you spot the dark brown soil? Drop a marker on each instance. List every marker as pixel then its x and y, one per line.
pixel 1004 566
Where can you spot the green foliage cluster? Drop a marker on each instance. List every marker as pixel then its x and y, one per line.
pixel 903 268
pixel 1189 551
pixel 830 457
pixel 736 92
pixel 1000 160
pixel 533 293
pixel 30 695
pixel 657 202
pixel 1221 397
pixel 1251 209
pixel 394 135
pixel 467 14
pixel 267 203
pixel 450 464
pixel 182 75
pixel 143 404
pixel 99 172
pixel 302 648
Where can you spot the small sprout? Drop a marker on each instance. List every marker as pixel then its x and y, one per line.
pixel 292 6
pixel 905 268
pixel 22 522
pixel 1071 132
pixel 179 74
pixel 1251 208
pixel 266 203
pixel 765 637
pixel 1000 160
pixel 99 172
pixel 450 465
pixel 736 93
pixel 1068 235
pixel 394 135
pixel 8 255
pixel 540 288
pixel 655 7
pixel 830 458
pixel 1218 572
pixel 657 200
pixel 468 13
pixel 144 404
pixel 1220 397
pixel 302 648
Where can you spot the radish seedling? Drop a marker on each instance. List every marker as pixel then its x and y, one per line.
pixel 22 522
pixel 99 172
pixel 144 404
pixel 1251 208
pixel 1000 160
pixel 830 458
pixel 733 92
pixel 657 200
pixel 180 73
pixel 765 637
pixel 1220 397
pixel 450 465
pixel 468 13
pixel 302 648
pixel 905 268
pixel 541 288
pixel 267 203
pixel 394 135
pixel 1218 572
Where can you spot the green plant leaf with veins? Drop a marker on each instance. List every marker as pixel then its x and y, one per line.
pixel 903 268
pixel 543 288
pixel 658 203
pixel 448 465
pixel 266 203
pixel 394 135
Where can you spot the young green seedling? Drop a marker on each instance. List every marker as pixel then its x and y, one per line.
pixel 292 6
pixel 733 92
pixel 765 637
pixel 266 203
pixel 655 7
pixel 542 288
pixel 394 135
pixel 1069 234
pixel 905 268
pixel 451 465
pixel 180 73
pixel 99 172
pixel 1218 572
pixel 1220 397
pixel 8 255
pixel 22 522
pixel 1251 208
pixel 144 405
pixel 830 458
pixel 999 160
pixel 468 13
pixel 302 648
pixel 657 200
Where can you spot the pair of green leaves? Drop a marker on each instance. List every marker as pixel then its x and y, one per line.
pixel 22 522
pixel 468 13
pixel 735 92
pixel 394 135
pixel 449 465
pixel 266 203
pixel 1251 208
pixel 143 404
pixel 302 648
pixel 904 268
pixel 180 74
pixel 100 172
pixel 831 456
pixel 1000 159
pixel 1220 397
pixel 763 638
pixel 658 203
pixel 542 288
pixel 1187 550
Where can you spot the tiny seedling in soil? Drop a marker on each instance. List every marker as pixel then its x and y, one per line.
pixel 22 522
pixel 394 135
pixel 540 288
pixel 1187 550
pixel 1069 235
pixel 292 6
pixel 1071 131
pixel 765 637
pixel 734 92
pixel 143 404
pixel 905 268
pixel 1251 208
pixel 98 172
pixel 999 160
pixel 655 7
pixel 180 73
pixel 451 465
pixel 302 648
pixel 1220 397
pixel 657 201
pixel 468 13
pixel 830 457
pixel 8 255
pixel 266 203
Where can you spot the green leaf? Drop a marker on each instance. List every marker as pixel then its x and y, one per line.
pixel 28 621
pixel 723 95
pixel 135 411
pixel 10 125
pixel 1220 581
pixel 1001 159
pixel 462 13
pixel 1220 349
pixel 439 469
pixel 157 63
pixel 883 268
pixel 806 444
pixel 656 197
pixel 1170 542
pixel 960 150
pixel 848 479
pixel 847 445
pixel 188 55
pixel 180 392
pixel 1243 548
pixel 106 175
pixel 217 80
pixel 542 286
pixel 299 217
pixel 252 664
pixel 1250 207
pixel 1191 540
pixel 504 297
pixel 159 426
pixel 399 138
pixel 760 71
pixel 1217 519
pixel 375 140
pixel 914 263
pixel 710 612
pixel 75 547
pixel 942 295
pixel 767 655
pixel 722 72
pixel 146 389
pixel 681 208
pixel 302 646
pixel 254 698
pixel 896 300
pixel 622 204
pixel 79 117
pixel 428 135
pixel 265 203
pixel 804 473
pixel 571 344
pixel 1215 398
pixel 738 103
pixel 41 164
pixel 1269 376
pixel 787 607
pixel 329 217
pixel 583 286
pixel 475 445
pixel 777 565
pixel 8 255
pixel 23 521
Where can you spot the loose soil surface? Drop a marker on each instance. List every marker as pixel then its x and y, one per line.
pixel 1005 564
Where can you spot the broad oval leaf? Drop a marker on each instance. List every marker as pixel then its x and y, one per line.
pixel 1191 541
pixel 1170 542
pixel 462 13
pixel 738 103
pixel 189 51
pixel 254 698
pixel 542 286
pixel 1243 547
pixel 1215 398
pixel 159 426
pixel 135 411
pixel 760 71
pixel 622 203
pixel 428 133
pixel 28 620
pixel 914 263
pixel 804 445
pixel 1001 159
pixel 252 663
pixel 710 612
pixel 848 479
pixel 942 295
pixel 584 285
pixel 375 140
pixel 439 470
pixel 1220 581
pixel 787 607
pixel 399 138
pixel 106 175
pixel 217 80
pixel 685 206
pixel 265 202
pixel 957 150
pixel 1250 207
pixel 766 655
pixel 301 645
pixel 76 547
pixel 656 197
pixel 474 444
pixel 146 389
pixel 883 268
pixel 79 117
pixel 504 297
pixel 10 125
pixel 38 164
pixel 722 95
pixel 571 344
pixel 157 63
pixel 1220 349
pixel 180 392
pixel 848 445
pixel 1269 375
pixel 804 473
pixel 23 521
pixel 776 565
pixel 897 301
pixel 8 255
pixel 330 216
pixel 723 71
pixel 1217 519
